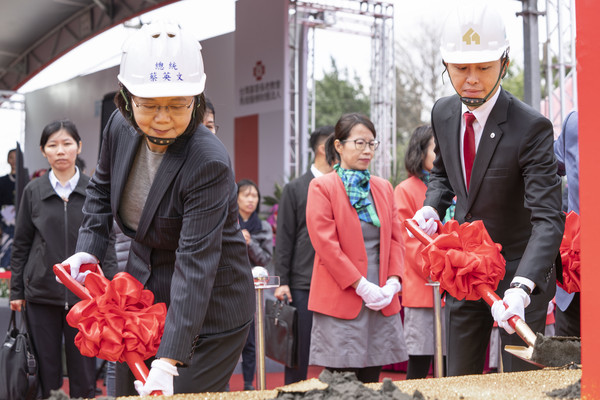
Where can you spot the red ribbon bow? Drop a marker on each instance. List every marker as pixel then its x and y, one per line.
pixel 463 257
pixel 119 318
pixel 569 254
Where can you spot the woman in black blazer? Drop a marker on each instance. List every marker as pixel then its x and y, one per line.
pixel 167 182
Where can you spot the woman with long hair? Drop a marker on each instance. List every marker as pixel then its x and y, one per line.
pixel 417 297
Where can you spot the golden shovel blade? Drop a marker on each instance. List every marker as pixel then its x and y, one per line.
pixel 523 352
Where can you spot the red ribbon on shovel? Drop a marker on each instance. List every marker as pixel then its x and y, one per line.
pixel 116 319
pixel 570 248
pixel 468 265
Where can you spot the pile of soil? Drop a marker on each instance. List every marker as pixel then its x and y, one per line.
pixel 556 351
pixel 570 392
pixel 344 385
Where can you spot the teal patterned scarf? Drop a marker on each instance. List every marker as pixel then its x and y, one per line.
pixel 357 187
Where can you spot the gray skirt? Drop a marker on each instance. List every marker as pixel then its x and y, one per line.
pixel 371 339
pixel 418 331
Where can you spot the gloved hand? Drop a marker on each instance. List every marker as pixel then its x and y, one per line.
pixel 76 261
pixel 426 217
pixel 370 292
pixel 550 307
pixel 160 378
pixel 516 300
pixel 391 288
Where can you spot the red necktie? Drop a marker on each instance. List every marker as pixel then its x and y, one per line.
pixel 469 145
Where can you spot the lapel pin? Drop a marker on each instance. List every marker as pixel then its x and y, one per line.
pixel 492 135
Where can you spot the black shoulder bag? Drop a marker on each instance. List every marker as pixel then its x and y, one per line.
pixel 18 366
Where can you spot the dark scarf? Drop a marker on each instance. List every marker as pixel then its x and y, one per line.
pixel 253 225
pixel 425 177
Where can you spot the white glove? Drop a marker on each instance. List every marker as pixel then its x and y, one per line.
pixel 160 378
pixel 550 307
pixel 426 217
pixel 516 300
pixel 391 288
pixel 76 261
pixel 370 292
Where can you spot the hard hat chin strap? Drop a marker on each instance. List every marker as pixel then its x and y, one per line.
pixel 160 141
pixel 476 101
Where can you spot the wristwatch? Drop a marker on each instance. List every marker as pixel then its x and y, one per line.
pixel 521 286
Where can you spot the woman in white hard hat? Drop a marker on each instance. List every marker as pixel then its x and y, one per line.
pixel 494 153
pixel 167 182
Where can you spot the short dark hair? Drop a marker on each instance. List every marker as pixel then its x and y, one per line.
pixel 319 136
pixel 124 104
pixel 56 126
pixel 244 183
pixel 209 107
pixel 342 131
pixel 417 150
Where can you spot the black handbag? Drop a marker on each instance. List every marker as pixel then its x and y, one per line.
pixel 281 332
pixel 18 366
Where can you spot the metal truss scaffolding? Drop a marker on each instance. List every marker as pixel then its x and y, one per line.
pixel 92 19
pixel 369 18
pixel 561 70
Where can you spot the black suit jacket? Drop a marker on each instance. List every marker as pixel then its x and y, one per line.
pixel 295 254
pixel 514 187
pixel 188 248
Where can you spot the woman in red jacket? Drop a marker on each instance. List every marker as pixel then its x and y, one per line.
pixel 354 228
pixel 417 297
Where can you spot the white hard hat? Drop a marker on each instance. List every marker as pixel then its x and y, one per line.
pixel 162 60
pixel 473 33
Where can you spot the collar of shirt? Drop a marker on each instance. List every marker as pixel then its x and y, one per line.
pixel 481 115
pixel 316 173
pixel 64 191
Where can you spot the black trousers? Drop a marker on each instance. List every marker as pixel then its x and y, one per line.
pixel 48 327
pixel 298 374
pixel 249 357
pixel 468 328
pixel 209 370
pixel 568 322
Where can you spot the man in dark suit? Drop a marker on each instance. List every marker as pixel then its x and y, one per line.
pixel 495 154
pixel 295 255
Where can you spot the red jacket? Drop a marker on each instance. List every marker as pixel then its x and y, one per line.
pixel 341 257
pixel 409 196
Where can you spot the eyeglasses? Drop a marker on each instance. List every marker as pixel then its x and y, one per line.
pixel 211 127
pixel 360 144
pixel 152 109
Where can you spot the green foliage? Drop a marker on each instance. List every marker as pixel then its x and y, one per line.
pixel 4 287
pixel 336 95
pixel 514 81
pixel 270 201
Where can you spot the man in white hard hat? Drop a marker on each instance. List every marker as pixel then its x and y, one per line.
pixel 495 154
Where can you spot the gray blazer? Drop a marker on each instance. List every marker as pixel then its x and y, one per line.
pixel 514 188
pixel 188 248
